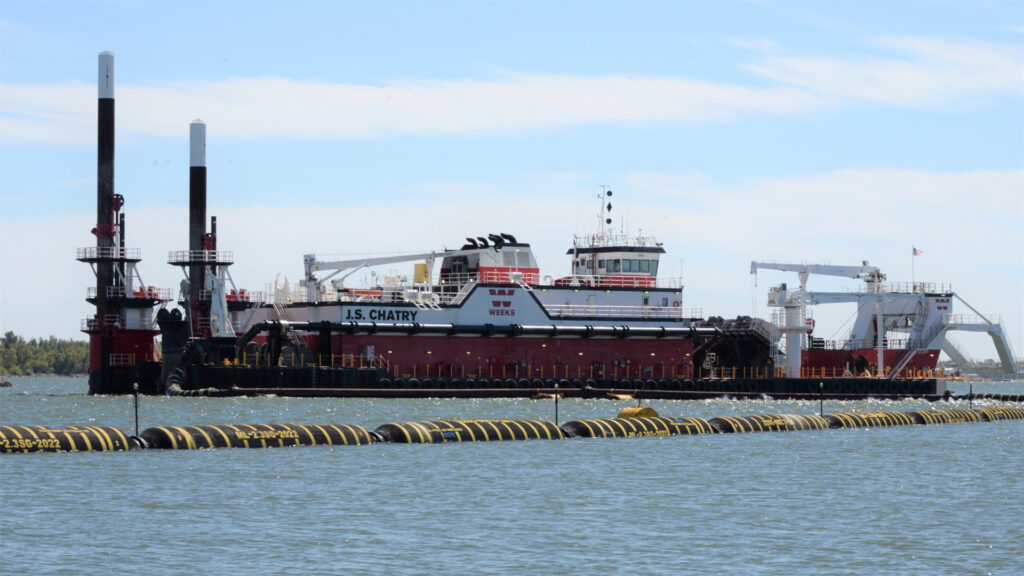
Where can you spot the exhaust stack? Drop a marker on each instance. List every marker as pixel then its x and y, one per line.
pixel 196 215
pixel 121 352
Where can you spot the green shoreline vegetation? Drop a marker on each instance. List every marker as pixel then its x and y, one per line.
pixel 51 356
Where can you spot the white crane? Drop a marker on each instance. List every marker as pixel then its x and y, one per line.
pixel 795 302
pixel 311 266
pixel 870 274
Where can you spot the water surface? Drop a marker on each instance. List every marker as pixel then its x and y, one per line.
pixel 909 500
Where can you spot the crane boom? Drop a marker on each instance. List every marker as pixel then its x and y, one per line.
pixel 864 272
pixel 312 265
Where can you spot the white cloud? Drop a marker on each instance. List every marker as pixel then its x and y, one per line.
pixel 969 224
pixel 281 107
pixel 921 72
pixel 928 72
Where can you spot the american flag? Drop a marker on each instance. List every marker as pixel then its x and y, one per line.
pixel 918 252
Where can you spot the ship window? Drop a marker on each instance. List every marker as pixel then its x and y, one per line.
pixel 627 265
pixel 508 259
pixel 600 264
pixel 645 266
pixel 664 301
pixel 654 267
pixel 522 259
pixel 615 265
pixel 590 264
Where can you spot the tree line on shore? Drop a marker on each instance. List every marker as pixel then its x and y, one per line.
pixel 19 357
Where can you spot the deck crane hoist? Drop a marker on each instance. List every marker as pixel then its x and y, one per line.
pixel 795 302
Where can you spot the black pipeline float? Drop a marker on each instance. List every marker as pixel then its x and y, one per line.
pixel 633 427
pixel 69 439
pixel 442 431
pixel 1002 397
pixel 869 419
pixel 254 436
pixel 996 413
pixel 948 416
pixel 769 423
pixel 95 438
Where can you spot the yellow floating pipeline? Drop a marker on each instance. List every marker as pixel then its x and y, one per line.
pixel 869 419
pixel 1001 413
pixel 254 436
pixel 69 439
pixel 441 431
pixel 945 416
pixel 631 427
pixel 769 423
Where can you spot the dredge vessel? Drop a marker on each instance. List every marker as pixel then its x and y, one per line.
pixel 480 320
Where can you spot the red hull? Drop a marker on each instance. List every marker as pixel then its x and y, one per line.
pixel 521 357
pixel 832 363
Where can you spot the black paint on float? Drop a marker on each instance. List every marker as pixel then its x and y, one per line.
pixel 947 416
pixel 631 427
pixel 1001 413
pixel 95 438
pixel 69 439
pixel 1002 397
pixel 253 436
pixel 769 423
pixel 869 419
pixel 441 431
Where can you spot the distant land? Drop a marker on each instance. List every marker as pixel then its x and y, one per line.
pixel 19 357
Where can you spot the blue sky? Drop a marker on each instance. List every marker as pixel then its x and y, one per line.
pixel 796 132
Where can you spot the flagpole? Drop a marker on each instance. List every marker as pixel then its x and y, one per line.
pixel 913 261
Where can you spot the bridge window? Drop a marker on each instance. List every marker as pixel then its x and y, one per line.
pixel 615 265
pixel 600 264
pixel 627 265
pixel 654 267
pixel 645 266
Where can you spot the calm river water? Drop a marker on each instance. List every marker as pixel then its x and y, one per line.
pixel 909 500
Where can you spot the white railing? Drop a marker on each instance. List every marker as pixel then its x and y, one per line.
pixel 972 319
pixel 858 344
pixel 491 277
pixel 180 257
pixel 108 253
pixel 143 292
pixel 455 288
pixel 614 239
pixel 639 312
pixel 916 288
pixel 100 322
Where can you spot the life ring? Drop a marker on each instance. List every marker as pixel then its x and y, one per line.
pixel 676 304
